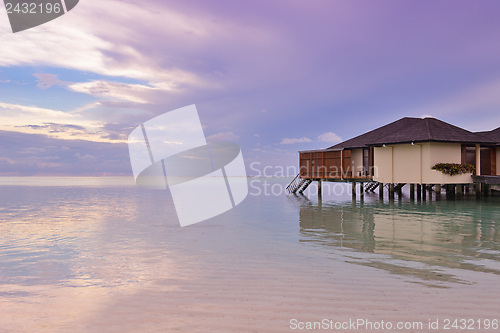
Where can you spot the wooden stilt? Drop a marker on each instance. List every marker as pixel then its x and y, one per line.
pixel 419 191
pixel 412 191
pixel 478 191
pixel 391 191
pixel 381 190
pixel 362 189
pixel 486 190
pixel 424 192
pixel 320 194
pixel 353 189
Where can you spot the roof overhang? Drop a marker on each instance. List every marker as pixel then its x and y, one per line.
pixel 378 144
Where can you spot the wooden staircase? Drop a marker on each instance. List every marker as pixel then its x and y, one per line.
pixel 298 185
pixel 371 186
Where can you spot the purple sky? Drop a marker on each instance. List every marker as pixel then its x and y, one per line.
pixel 272 76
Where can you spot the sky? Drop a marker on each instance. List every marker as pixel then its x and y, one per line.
pixel 274 77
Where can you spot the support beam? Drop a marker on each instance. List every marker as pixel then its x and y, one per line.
pixel 460 190
pixel 381 190
pixel 320 194
pixel 391 191
pixel 424 192
pixel 478 191
pixel 353 189
pixel 362 189
pixel 412 191
pixel 419 191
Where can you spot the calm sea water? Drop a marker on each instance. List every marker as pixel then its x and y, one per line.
pixel 106 234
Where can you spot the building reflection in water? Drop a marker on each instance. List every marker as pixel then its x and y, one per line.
pixel 425 240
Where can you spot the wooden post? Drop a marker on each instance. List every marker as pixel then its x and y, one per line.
pixel 323 167
pixel 478 191
pixel 362 189
pixel 354 189
pixel 460 189
pixel 341 164
pixel 399 191
pixel 478 160
pixel 424 192
pixel 450 191
pixel 319 190
pixel 486 190
pixel 381 190
pixel 391 191
pixel 419 191
pixel 412 191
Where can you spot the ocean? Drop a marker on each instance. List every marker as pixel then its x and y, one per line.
pixel 102 255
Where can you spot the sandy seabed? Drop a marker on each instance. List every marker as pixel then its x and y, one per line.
pixel 251 296
pixel 102 260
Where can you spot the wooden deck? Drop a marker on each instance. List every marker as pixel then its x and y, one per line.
pixel 489 180
pixel 330 166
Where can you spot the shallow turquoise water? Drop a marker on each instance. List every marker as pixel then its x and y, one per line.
pixel 61 234
pixel 112 235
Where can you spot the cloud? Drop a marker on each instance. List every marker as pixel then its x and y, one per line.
pixel 53 123
pixel 31 150
pixel 287 141
pixel 256 135
pixel 325 137
pixel 46 81
pixel 329 137
pixel 99 48
pixel 57 128
pixel 129 92
pixel 85 157
pixel 33 154
pixel 228 136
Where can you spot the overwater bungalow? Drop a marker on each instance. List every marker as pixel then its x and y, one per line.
pixel 425 152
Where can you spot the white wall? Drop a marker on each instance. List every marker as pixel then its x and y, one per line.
pixel 439 152
pixel 382 161
pixel 406 163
